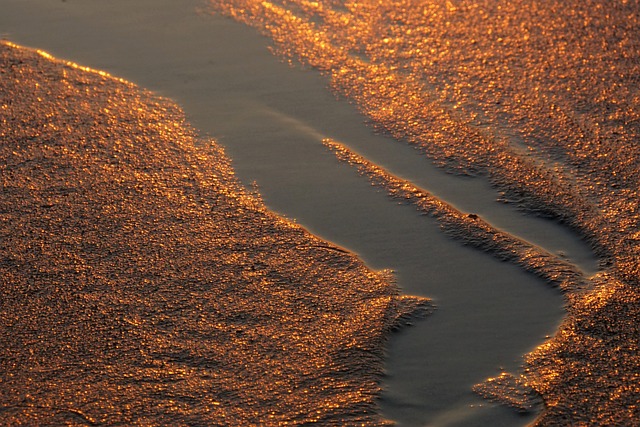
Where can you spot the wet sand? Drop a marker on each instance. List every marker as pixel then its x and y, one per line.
pixel 225 79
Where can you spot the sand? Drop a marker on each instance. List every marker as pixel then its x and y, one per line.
pixel 142 284
pixel 271 119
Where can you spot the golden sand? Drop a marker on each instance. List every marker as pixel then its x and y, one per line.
pixel 143 285
pixel 541 98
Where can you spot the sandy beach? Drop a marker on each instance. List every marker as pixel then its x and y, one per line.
pixel 166 289
pixel 271 118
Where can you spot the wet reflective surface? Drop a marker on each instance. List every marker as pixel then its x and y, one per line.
pixel 141 284
pixel 541 98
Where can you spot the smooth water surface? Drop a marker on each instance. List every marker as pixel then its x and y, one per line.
pixel 271 119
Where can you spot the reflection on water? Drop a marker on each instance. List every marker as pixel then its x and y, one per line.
pixel 542 99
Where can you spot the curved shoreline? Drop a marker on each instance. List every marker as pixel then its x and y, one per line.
pixel 281 198
pixel 143 284
pixel 554 127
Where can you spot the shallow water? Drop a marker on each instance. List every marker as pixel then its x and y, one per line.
pixel 271 119
pixel 539 98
